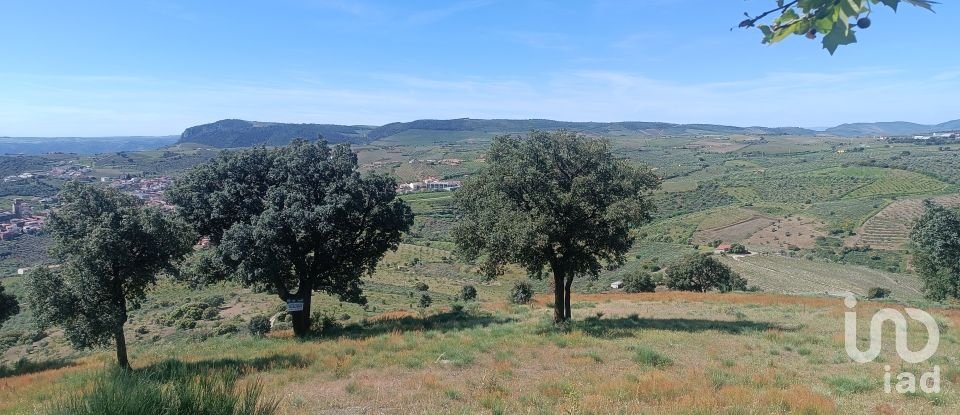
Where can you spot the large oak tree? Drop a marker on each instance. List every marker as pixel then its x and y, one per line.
pixel 554 201
pixel 296 219
pixel 111 249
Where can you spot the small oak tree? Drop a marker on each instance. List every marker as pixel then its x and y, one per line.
pixel 703 273
pixel 295 219
pixel 8 305
pixel 111 247
pixel 936 252
pixel 554 200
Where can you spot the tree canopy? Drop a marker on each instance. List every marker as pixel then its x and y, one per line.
pixel 8 305
pixel 295 219
pixel 703 273
pixel 936 252
pixel 836 22
pixel 553 200
pixel 111 247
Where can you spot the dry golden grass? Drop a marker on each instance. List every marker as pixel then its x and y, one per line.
pixel 724 354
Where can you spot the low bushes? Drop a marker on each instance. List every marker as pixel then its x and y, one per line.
pixel 639 282
pixel 877 293
pixel 259 325
pixel 521 293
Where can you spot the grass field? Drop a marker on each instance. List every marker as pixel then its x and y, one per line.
pixel 668 353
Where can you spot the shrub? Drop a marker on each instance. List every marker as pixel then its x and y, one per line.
pixel 703 273
pixel 259 325
pixel 456 307
pixel 189 311
pixel 521 293
pixel 211 313
pixel 877 293
pixel 186 324
pixel 425 301
pixel 468 293
pixel 226 329
pixel 739 249
pixel 639 282
pixel 421 286
pixel 324 323
pixel 214 301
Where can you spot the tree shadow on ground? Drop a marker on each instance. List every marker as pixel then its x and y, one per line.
pixel 26 367
pixel 627 326
pixel 177 370
pixel 443 322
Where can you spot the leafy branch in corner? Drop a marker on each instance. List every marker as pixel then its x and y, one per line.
pixel 835 21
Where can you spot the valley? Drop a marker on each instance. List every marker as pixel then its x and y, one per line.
pixel 821 215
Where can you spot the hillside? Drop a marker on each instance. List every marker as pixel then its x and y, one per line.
pixel 240 133
pixel 81 145
pixel 891 128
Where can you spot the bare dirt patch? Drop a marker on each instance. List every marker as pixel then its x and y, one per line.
pixel 786 233
pixel 734 233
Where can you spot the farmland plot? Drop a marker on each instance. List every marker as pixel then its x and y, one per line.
pixel 899 182
pixel 890 228
pixel 776 273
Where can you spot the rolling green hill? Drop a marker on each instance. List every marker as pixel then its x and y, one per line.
pixel 240 133
pixel 891 128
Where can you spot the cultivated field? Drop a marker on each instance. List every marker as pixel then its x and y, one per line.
pixel 775 273
pixel 890 228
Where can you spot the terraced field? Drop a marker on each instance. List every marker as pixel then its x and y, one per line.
pixel 890 228
pixel 899 182
pixel 774 273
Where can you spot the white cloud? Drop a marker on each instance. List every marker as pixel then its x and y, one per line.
pixel 103 105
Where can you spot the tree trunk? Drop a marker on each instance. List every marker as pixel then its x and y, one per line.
pixel 559 313
pixel 120 301
pixel 566 299
pixel 121 341
pixel 301 319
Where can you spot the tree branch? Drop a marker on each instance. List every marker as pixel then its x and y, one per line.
pixel 751 21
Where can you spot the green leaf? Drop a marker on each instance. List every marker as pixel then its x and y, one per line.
pixel 926 4
pixel 891 3
pixel 839 35
pixel 823 25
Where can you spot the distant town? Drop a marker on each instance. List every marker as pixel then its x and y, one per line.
pixel 20 219
pixel 28 216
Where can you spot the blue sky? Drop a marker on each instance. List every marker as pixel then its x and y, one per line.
pixel 94 68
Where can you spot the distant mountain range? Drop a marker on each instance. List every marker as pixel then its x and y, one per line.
pixel 240 133
pixel 81 145
pixel 891 128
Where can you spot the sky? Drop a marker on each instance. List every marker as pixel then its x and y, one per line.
pixel 156 67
